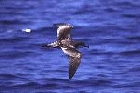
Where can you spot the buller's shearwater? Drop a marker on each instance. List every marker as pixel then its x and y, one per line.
pixel 68 46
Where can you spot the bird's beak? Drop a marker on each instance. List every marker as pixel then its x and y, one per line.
pixel 71 26
pixel 86 46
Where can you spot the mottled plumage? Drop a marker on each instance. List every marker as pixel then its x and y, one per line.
pixel 68 46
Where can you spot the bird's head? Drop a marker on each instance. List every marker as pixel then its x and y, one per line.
pixel 81 44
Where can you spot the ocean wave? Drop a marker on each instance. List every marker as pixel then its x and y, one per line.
pixel 13 22
pixel 7 76
pixel 130 52
pixel 15 54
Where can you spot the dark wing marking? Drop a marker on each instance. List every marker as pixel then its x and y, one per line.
pixel 73 65
pixel 75 58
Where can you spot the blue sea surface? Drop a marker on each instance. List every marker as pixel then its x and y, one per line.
pixel 111 28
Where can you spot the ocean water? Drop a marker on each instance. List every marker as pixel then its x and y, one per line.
pixel 111 28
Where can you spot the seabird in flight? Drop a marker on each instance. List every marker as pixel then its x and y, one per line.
pixel 68 46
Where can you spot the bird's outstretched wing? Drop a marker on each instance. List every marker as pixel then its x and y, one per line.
pixel 63 32
pixel 54 44
pixel 73 65
pixel 74 59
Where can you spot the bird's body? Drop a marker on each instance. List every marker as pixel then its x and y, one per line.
pixel 68 46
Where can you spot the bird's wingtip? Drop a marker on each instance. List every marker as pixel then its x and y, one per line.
pixel 70 77
pixel 62 24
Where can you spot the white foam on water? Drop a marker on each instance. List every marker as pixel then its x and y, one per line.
pixel 26 30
